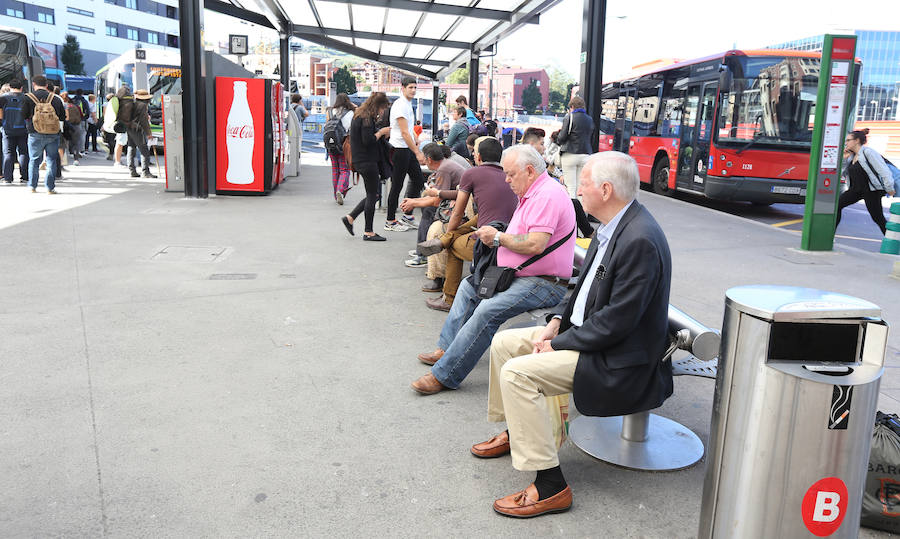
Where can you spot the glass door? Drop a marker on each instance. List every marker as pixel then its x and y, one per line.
pixel 697 125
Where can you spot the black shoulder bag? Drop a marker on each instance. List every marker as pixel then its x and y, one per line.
pixel 499 278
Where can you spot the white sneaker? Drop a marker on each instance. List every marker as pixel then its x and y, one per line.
pixel 412 252
pixel 75 162
pixel 409 221
pixel 395 227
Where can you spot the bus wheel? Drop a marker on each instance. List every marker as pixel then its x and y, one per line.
pixel 661 179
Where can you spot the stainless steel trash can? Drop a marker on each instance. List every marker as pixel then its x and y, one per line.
pixel 793 410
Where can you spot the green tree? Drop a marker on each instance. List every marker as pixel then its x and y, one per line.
pixel 531 97
pixel 72 59
pixel 557 101
pixel 345 81
pixel 460 76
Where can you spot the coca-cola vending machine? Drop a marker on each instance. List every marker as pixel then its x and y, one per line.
pixel 247 158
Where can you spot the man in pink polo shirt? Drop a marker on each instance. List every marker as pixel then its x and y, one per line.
pixel 543 217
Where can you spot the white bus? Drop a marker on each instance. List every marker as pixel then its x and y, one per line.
pixel 163 77
pixel 18 57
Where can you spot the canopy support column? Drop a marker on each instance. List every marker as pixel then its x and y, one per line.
pixel 473 79
pixel 593 31
pixel 193 80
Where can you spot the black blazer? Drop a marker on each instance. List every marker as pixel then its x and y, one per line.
pixel 625 331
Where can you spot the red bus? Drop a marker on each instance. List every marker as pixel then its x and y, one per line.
pixel 735 126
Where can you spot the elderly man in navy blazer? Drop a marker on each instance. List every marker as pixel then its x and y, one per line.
pixel 604 346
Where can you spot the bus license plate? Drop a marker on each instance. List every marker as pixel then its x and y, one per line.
pixel 781 190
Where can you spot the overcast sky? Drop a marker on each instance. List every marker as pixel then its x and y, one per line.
pixel 642 31
pixel 638 32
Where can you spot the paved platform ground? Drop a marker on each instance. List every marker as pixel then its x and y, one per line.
pixel 239 367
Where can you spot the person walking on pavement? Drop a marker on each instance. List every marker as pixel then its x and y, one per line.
pixel 342 112
pixel 869 176
pixel 15 134
pixel 92 126
pixel 407 158
pixel 139 134
pixel 43 113
pixel 575 142
pixel 365 148
pixel 74 126
pixel 109 125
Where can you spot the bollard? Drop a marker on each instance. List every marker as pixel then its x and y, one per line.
pixel 891 243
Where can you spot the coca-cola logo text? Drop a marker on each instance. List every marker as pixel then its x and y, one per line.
pixel 239 131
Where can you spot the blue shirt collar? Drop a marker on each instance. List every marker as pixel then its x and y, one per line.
pixel 605 232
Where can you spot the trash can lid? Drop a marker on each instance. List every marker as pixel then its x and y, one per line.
pixel 789 303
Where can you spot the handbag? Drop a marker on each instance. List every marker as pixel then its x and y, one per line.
pixel 119 127
pixel 499 278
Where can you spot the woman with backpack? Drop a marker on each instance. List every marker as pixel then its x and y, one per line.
pixel 365 147
pixel 869 177
pixel 337 126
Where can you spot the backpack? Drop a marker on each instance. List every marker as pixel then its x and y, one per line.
pixel 478 129
pixel 895 175
pixel 333 134
pixel 13 121
pixel 74 114
pixel 45 120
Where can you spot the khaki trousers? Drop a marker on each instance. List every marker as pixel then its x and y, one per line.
pixel 459 246
pixel 437 264
pixel 520 383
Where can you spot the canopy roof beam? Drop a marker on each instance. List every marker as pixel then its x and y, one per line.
pixel 358 34
pixel 364 53
pixel 443 9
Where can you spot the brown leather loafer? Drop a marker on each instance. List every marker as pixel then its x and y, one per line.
pixel 525 504
pixel 430 358
pixel 438 304
pixel 427 385
pixel 493 448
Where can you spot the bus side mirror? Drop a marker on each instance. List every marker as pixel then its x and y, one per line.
pixel 725 77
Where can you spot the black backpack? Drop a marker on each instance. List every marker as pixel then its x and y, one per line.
pixel 13 121
pixel 333 134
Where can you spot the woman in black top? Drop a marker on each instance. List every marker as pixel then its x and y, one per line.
pixel 365 147
pixel 869 176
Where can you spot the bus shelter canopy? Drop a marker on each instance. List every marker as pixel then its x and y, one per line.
pixel 426 37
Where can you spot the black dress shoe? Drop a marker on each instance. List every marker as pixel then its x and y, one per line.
pixel 376 237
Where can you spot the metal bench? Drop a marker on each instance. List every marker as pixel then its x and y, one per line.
pixel 645 441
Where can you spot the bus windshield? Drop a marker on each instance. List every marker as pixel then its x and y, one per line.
pixel 13 56
pixel 770 100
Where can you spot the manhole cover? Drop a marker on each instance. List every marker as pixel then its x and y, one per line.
pixel 232 276
pixel 188 253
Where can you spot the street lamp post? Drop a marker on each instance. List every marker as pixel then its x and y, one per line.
pixel 874 109
pixel 884 113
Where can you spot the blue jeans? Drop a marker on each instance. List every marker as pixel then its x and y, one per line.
pixel 472 323
pixel 38 144
pixel 12 145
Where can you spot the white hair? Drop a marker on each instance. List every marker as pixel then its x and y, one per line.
pixel 617 169
pixel 524 155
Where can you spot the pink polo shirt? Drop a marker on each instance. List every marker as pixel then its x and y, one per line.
pixel 546 207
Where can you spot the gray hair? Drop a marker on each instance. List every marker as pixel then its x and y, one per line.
pixel 618 169
pixel 524 155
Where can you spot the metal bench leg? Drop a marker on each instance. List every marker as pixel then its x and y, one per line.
pixel 641 441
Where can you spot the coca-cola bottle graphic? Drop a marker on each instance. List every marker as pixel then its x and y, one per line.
pixel 239 137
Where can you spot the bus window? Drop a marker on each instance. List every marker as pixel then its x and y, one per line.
pixel 672 117
pixel 608 116
pixel 646 110
pixel 770 100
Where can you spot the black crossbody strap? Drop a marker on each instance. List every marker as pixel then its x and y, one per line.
pixel 546 252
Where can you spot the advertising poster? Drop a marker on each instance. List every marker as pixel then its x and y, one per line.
pixel 240 135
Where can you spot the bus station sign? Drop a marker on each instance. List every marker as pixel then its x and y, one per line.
pixel 826 153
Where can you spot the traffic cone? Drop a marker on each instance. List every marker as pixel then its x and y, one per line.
pixel 891 242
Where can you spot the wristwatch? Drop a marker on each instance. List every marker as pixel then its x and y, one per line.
pixel 496 242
